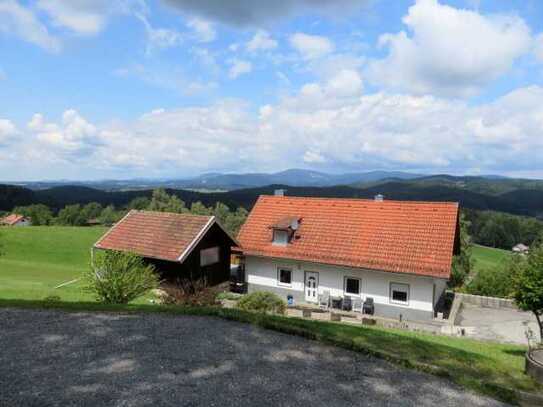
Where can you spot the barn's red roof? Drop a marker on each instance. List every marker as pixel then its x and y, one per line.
pixel 403 237
pixel 11 219
pixel 160 235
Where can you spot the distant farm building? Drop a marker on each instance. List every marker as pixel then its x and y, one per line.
pixel 521 249
pixel 15 220
pixel 180 246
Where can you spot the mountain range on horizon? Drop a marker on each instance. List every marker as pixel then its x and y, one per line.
pixel 231 181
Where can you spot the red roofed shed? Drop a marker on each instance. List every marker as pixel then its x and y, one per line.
pixel 179 245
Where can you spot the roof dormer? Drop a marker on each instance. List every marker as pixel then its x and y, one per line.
pixel 284 230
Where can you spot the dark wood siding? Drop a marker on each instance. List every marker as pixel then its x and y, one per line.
pixel 190 268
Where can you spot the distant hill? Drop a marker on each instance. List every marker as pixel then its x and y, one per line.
pixel 528 202
pixel 489 185
pixel 217 181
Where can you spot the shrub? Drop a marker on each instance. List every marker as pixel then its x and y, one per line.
pixel 262 301
pixel 492 282
pixel 118 278
pixel 191 292
pixel 226 295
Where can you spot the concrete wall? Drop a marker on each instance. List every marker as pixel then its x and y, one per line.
pixel 261 274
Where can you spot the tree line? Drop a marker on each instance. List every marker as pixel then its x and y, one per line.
pixel 94 213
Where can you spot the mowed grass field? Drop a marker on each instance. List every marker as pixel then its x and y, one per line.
pixel 489 257
pixel 37 259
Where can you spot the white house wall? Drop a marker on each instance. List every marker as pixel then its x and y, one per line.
pixel 261 274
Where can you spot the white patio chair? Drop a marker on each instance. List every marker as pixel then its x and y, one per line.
pixel 357 305
pixel 324 300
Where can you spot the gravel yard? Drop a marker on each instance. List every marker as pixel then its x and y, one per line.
pixel 53 358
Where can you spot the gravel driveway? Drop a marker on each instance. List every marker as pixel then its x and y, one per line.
pixel 53 358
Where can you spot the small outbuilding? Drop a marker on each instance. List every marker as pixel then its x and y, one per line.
pixel 178 245
pixel 15 220
pixel 520 248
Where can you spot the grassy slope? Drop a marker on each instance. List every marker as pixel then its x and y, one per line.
pixel 36 259
pixel 489 258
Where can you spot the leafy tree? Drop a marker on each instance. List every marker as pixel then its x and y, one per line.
pixel 91 210
pixel 198 208
pixel 71 215
pixel 118 278
pixel 161 201
pixel 38 213
pixel 139 203
pixel 528 284
pixel 462 262
pixel 492 282
pixel 235 220
pixel 109 215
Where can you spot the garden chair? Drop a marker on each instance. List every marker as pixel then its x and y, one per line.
pixel 324 300
pixel 357 305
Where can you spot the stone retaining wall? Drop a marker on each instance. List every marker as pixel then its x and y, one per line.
pixel 488 302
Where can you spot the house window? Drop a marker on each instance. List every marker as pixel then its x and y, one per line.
pixel 399 293
pixel 284 276
pixel 280 237
pixel 352 286
pixel 209 256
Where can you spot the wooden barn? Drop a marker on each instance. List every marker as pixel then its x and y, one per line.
pixel 178 245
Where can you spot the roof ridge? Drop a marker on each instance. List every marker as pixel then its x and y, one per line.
pixel 340 199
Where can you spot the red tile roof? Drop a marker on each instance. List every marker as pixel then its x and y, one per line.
pixel 12 219
pixel 403 237
pixel 159 235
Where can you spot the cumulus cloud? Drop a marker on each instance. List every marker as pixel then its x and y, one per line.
pixel 256 13
pixel 321 125
pixel 8 131
pixel 262 40
pixel 311 46
pixel 449 51
pixel 72 138
pixel 203 30
pixel 239 67
pixel 22 22
pixel 81 16
pixel 538 49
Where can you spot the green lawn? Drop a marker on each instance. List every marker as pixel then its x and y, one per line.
pixel 36 259
pixel 489 257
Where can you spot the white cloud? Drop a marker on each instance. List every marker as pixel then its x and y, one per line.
pixel 72 138
pixel 311 46
pixel 239 67
pixel 261 41
pixel 449 51
pixel 7 132
pixel 82 17
pixel 166 77
pixel 203 30
pixel 321 125
pixel 159 38
pixel 22 22
pixel 538 49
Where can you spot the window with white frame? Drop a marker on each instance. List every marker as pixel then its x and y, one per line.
pixel 284 276
pixel 399 293
pixel 209 256
pixel 280 237
pixel 352 286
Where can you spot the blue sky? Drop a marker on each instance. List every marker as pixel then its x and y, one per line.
pixel 97 89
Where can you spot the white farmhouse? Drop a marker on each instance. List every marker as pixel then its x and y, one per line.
pixel 397 255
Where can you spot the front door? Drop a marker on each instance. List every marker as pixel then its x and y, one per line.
pixel 311 286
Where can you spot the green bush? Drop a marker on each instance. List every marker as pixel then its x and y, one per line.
pixel 226 295
pixel 118 278
pixel 496 282
pixel 262 301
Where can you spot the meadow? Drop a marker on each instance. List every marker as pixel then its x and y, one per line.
pixel 37 259
pixel 489 257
